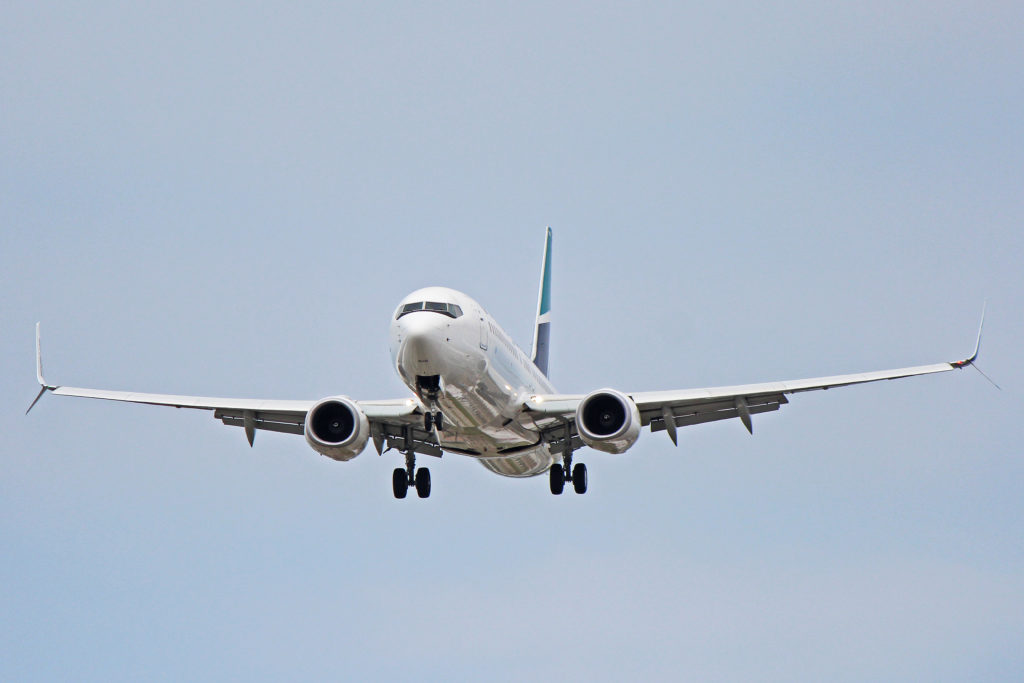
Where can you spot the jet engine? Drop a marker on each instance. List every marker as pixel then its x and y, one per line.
pixel 337 427
pixel 608 420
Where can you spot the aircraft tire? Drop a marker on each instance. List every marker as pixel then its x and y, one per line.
pixel 423 482
pixel 557 478
pixel 579 478
pixel 399 482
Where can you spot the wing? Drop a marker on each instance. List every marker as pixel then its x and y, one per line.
pixel 392 421
pixel 667 410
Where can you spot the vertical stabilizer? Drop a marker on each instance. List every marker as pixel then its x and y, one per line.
pixel 542 335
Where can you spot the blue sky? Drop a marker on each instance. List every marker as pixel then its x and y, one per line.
pixel 216 199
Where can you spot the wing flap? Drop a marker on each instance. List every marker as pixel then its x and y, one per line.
pixel 266 425
pixel 404 437
pixel 694 409
pixel 287 423
pixel 697 417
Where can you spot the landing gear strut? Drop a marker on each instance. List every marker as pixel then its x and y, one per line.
pixel 428 387
pixel 401 478
pixel 559 474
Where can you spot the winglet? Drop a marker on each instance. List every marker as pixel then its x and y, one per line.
pixel 977 344
pixel 39 359
pixel 44 387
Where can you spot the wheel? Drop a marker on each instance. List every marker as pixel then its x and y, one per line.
pixel 399 482
pixel 438 421
pixel 579 478
pixel 428 420
pixel 423 482
pixel 557 479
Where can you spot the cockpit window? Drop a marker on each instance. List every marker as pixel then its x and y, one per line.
pixel 409 308
pixel 450 310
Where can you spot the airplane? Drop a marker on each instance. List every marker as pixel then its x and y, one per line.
pixel 476 393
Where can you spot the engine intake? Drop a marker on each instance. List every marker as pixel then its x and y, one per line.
pixel 608 421
pixel 337 427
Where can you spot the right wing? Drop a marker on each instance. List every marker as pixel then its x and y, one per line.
pixel 666 410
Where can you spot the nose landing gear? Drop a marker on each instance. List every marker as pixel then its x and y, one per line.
pixel 428 387
pixel 434 419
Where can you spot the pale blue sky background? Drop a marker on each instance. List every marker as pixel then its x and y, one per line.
pixel 219 199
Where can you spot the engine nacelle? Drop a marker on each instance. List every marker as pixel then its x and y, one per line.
pixel 337 427
pixel 608 420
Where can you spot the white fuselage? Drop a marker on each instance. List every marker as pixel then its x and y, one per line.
pixel 483 379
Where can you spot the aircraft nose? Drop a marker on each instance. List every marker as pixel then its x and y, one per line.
pixel 423 342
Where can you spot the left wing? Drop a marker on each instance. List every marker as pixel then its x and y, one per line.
pixel 390 420
pixel 666 410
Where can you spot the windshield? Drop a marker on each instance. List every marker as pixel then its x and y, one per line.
pixel 450 310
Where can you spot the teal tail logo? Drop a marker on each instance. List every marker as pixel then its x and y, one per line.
pixel 542 335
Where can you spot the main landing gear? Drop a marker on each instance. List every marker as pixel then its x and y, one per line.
pixel 559 474
pixel 402 477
